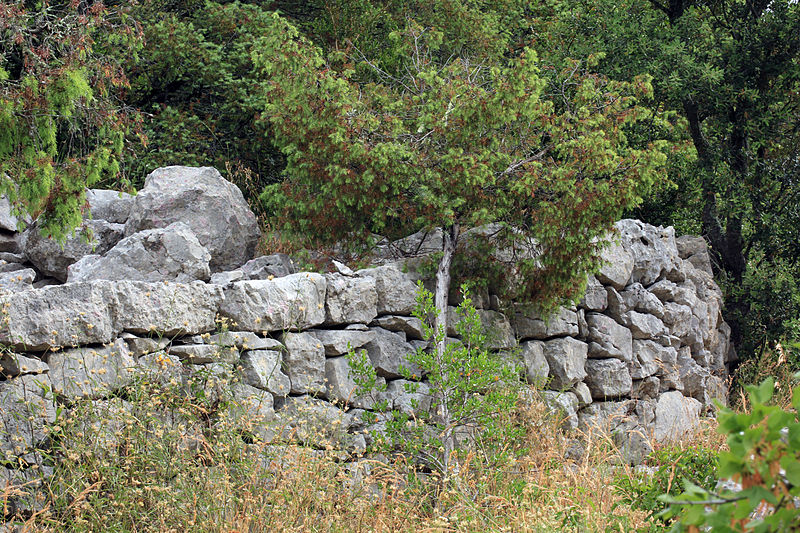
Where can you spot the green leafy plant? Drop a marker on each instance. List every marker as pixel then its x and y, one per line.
pixel 468 400
pixel 641 490
pixel 764 458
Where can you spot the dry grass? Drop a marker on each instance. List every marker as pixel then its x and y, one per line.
pixel 154 462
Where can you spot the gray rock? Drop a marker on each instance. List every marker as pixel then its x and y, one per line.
pixel 676 417
pixel 253 407
pixel 212 207
pixel 14 364
pixel 10 242
pixel 51 259
pixel 566 358
pixel 530 325
pixel 654 250
pixel 139 346
pixel 563 405
pixel 496 327
pixel 583 394
pixel 200 354
pixel 617 265
pixel 409 397
pixel 183 308
pixel 606 417
pixel 8 221
pixel 292 302
pixel 689 245
pixel 397 294
pixel 646 389
pixel 305 363
pixel 61 315
pixel 226 278
pixel 339 342
pixel 342 387
pixel 316 423
pixel 269 267
pixel 17 281
pixel 608 338
pixel 244 340
pixel 607 378
pixel 91 372
pixel 350 299
pixel 111 206
pixel 536 368
pixel 411 326
pixel 595 298
pixel 26 405
pixel 644 326
pixel 388 352
pixel 649 357
pixel 263 369
pixel 172 253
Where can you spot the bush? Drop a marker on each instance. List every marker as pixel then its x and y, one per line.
pixel 764 458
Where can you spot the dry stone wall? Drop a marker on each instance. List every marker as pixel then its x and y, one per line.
pixel 173 288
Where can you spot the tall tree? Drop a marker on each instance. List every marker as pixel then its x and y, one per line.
pixel 728 70
pixel 453 143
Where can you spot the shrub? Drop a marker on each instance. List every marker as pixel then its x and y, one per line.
pixel 764 458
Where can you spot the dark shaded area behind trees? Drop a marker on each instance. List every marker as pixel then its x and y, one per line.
pixel 178 78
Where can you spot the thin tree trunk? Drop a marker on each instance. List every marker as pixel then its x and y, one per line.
pixel 450 240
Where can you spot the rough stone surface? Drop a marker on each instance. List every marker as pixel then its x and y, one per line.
pixel 654 250
pixel 595 298
pixel 339 342
pixel 649 357
pixel 305 363
pixel 566 358
pixel 644 326
pixel 529 325
pixel 172 253
pixel 342 387
pixel 14 364
pixel 563 405
pixel 51 259
pixel 262 267
pixel 397 294
pixel 25 408
pixel 536 368
pixel 8 221
pixel 91 372
pixel 617 265
pixel 183 308
pixel 263 369
pixel 608 338
pixel 292 302
pixel 388 352
pixel 607 378
pixel 212 207
pixel 111 206
pixel 676 417
pixel 497 328
pixel 59 315
pixel 412 402
pixel 200 354
pixel 17 281
pixel 350 299
pixel 411 326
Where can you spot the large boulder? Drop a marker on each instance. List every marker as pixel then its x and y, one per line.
pixel 305 363
pixel 397 294
pixel 617 265
pixel 111 206
pixel 529 324
pixel 566 359
pixel 654 250
pixel 676 417
pixel 172 253
pixel 536 367
pixel 341 341
pixel 350 299
pixel 60 315
pixel 264 266
pixel 607 378
pixel 262 369
pixel 608 338
pixel 211 206
pixel 53 259
pixel 389 351
pixel 292 302
pixel 166 309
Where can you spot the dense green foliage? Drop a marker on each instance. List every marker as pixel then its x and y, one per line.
pixel 61 128
pixel 728 73
pixel 764 456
